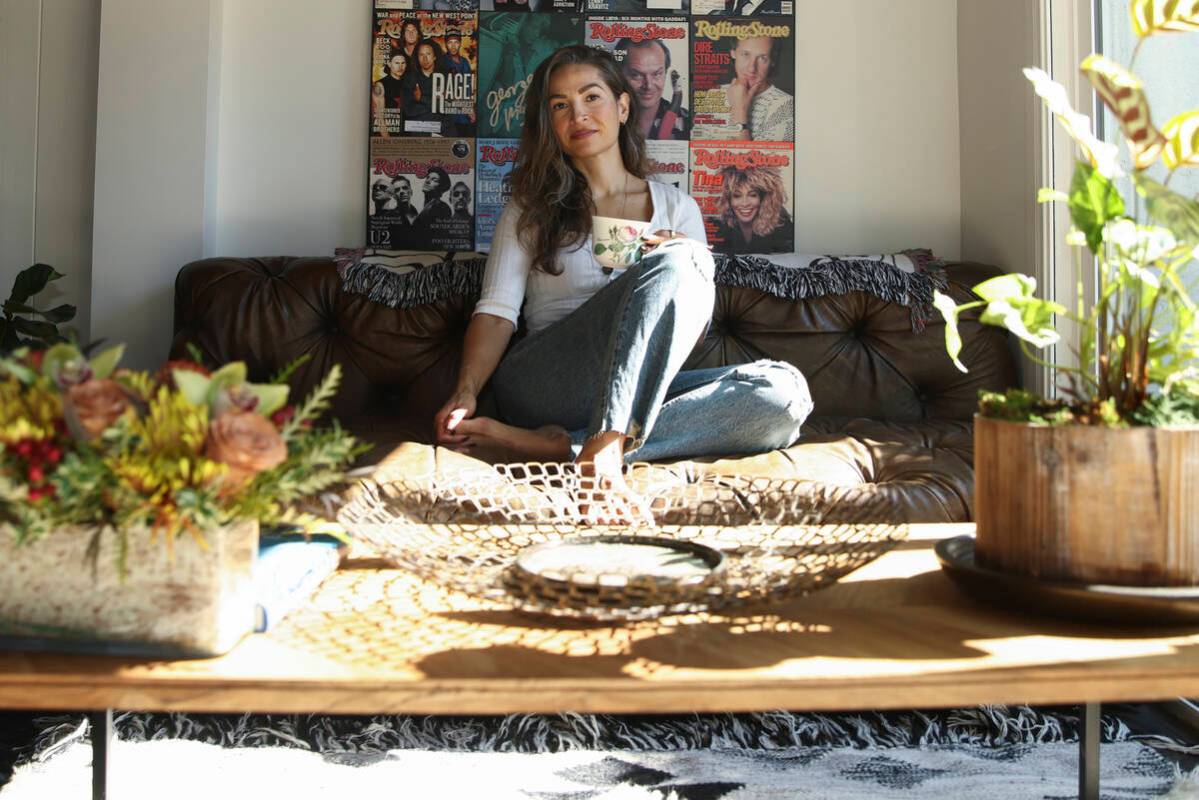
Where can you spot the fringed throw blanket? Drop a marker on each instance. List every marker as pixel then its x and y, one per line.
pixel 908 279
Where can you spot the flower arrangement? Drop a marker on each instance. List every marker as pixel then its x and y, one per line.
pixel 181 451
pixel 1138 358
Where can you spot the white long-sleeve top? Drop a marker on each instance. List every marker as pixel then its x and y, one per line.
pixel 509 280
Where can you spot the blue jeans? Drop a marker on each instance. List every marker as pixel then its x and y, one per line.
pixel 614 364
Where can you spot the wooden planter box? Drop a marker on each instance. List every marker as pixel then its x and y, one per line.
pixel 1088 504
pixel 192 601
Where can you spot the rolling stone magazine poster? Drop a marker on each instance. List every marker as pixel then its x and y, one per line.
pixel 713 82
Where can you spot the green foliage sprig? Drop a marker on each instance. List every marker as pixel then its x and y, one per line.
pixel 23 325
pixel 1138 355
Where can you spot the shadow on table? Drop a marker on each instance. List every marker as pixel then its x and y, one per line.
pixel 928 619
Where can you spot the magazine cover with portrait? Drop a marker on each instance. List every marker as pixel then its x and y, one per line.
pixel 525 6
pixel 428 5
pixel 389 68
pixel 668 163
pixel 637 6
pixel 426 61
pixel 654 55
pixel 742 8
pixel 421 194
pixel 511 47
pixel 496 158
pixel 743 79
pixel 746 194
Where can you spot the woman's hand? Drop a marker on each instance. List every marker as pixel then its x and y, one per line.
pixel 460 406
pixel 651 240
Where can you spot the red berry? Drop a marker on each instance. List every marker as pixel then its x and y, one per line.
pixel 36 475
pixel 284 414
pixel 24 448
pixel 35 495
pixel 54 454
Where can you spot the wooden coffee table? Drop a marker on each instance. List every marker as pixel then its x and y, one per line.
pixel 894 634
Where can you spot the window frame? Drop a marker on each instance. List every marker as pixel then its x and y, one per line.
pixel 1069 32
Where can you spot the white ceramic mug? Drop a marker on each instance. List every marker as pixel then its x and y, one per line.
pixel 616 243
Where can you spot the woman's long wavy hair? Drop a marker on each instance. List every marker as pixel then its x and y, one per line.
pixel 769 186
pixel 555 200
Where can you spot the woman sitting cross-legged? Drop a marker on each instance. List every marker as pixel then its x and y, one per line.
pixel 598 377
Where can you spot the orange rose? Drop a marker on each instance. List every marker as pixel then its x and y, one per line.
pixel 92 406
pixel 245 441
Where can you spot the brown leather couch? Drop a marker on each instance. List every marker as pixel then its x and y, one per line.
pixel 892 414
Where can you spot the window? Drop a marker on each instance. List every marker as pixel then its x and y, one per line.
pixel 1167 63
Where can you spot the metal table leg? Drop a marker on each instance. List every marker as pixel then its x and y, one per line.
pixel 101 725
pixel 1088 753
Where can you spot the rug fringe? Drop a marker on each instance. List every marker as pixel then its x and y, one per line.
pixel 1186 785
pixel 989 726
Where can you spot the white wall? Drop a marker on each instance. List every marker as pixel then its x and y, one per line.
pixel 877 103
pixel 154 104
pixel 20 40
pixel 999 113
pixel 48 53
pixel 293 127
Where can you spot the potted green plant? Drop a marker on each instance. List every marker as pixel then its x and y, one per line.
pixel 130 501
pixel 1102 485
pixel 22 325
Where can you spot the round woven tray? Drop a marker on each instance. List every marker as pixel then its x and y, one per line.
pixel 466 529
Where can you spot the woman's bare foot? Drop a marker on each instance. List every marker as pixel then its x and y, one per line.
pixel 511 444
pixel 604 496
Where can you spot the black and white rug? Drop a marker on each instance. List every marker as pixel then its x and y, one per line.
pixel 988 752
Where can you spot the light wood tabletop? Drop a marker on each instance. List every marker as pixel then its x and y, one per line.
pixel 894 634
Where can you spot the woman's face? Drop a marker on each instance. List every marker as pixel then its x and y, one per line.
pixel 396 66
pixel 745 203
pixel 585 114
pixel 433 184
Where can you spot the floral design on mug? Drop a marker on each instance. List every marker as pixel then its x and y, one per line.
pixel 623 246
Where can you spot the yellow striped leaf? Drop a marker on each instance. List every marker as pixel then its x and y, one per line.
pixel 1104 156
pixel 1182 140
pixel 1159 16
pixel 1124 94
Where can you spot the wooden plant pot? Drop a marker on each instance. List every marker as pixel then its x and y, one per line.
pixel 192 601
pixel 1088 504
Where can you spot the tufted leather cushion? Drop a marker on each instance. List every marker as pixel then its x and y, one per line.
pixel 891 409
